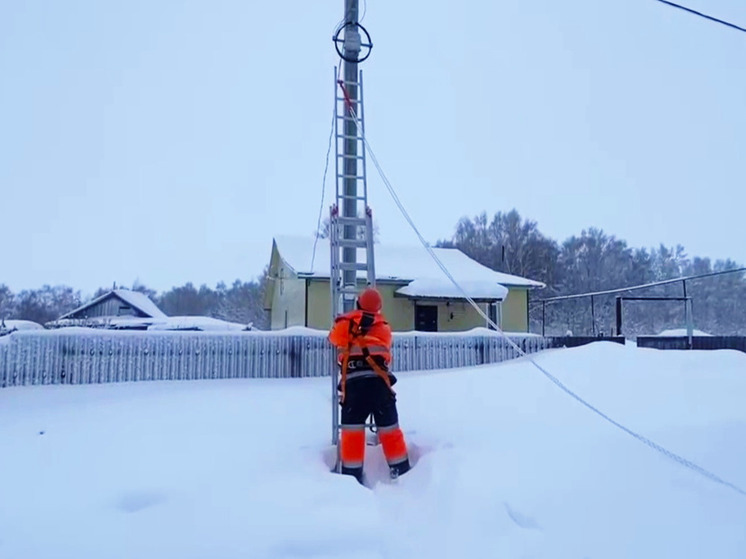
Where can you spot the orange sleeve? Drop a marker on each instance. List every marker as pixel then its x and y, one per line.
pixel 339 333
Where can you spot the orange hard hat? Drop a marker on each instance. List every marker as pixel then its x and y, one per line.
pixel 370 300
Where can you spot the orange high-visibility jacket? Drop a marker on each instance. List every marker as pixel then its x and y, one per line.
pixel 374 336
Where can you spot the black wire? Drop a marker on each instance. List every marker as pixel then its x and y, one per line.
pixel 346 17
pixel 326 169
pixel 700 14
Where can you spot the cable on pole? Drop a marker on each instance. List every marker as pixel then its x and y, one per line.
pixel 641 438
pixel 323 181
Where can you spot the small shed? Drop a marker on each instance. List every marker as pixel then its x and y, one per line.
pixel 117 303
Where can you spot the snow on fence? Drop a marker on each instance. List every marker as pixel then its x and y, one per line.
pixel 82 356
pixel 698 342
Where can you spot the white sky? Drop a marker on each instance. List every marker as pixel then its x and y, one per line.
pixel 170 141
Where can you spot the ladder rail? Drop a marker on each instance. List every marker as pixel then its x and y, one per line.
pixel 349 234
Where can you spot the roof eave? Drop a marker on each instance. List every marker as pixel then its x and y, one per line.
pixel 446 299
pixel 101 298
pixel 87 305
pixel 326 277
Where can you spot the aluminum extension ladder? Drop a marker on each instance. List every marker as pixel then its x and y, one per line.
pixel 350 218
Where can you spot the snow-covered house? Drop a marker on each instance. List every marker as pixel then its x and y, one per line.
pixel 116 304
pixel 416 293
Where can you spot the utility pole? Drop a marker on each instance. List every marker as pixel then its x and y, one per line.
pixel 350 219
pixel 351 52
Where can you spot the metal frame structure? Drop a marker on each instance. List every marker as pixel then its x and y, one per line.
pixel 687 312
pixel 593 294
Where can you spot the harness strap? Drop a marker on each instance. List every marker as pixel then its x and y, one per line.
pixel 356 338
pixel 377 368
pixel 380 372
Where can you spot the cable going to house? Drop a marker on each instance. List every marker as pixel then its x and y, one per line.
pixel 641 438
pixel 705 16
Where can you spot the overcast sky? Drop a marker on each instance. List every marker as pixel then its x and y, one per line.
pixel 169 141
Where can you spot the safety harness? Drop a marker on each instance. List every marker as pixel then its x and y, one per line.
pixel 357 333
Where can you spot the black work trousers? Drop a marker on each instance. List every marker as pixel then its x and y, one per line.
pixel 369 395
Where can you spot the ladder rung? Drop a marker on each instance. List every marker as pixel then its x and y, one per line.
pixel 359 243
pixel 362 266
pixel 358 177
pixel 351 220
pixel 350 118
pixel 348 137
pixel 348 290
pixel 349 197
pixel 348 156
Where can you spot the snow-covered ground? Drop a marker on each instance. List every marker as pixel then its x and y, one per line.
pixel 507 466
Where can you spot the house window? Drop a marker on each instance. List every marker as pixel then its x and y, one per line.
pixel 125 310
pixel 494 311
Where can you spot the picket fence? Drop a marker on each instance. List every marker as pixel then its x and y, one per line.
pixel 82 356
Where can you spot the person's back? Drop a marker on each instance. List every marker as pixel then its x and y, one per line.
pixel 363 341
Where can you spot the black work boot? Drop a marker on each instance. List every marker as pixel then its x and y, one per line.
pixel 398 469
pixel 357 473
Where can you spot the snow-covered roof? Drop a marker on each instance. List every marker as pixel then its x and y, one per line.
pixel 140 301
pixel 8 326
pixel 166 323
pixel 444 289
pixel 402 263
pixel 202 323
pixel 135 299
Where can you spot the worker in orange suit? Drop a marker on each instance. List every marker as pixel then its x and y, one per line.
pixel 363 341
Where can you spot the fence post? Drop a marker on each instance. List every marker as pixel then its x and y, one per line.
pixel 543 316
pixel 618 316
pixel 689 321
pixel 593 318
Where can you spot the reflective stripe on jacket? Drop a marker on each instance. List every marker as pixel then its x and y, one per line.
pixel 357 331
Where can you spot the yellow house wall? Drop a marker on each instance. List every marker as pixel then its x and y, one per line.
pixel 399 311
pixel 289 297
pixel 319 305
pixel 515 310
pixel 459 316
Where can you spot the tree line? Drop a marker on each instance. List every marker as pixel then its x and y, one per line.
pixel 596 261
pixel 241 302
pixel 589 262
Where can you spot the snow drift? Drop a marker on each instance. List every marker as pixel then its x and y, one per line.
pixel 507 465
